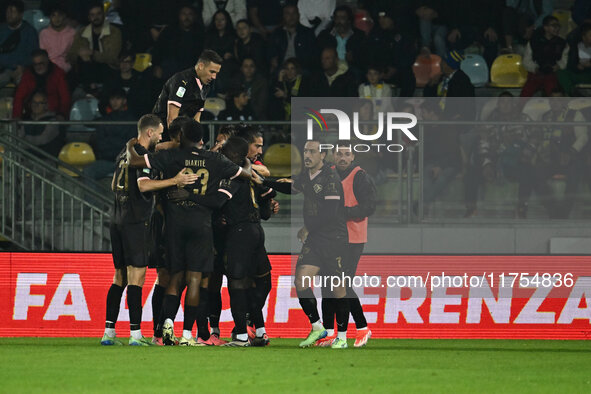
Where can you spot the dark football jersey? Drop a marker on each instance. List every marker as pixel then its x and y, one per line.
pixel 245 201
pixel 131 206
pixel 319 189
pixel 211 167
pixel 183 90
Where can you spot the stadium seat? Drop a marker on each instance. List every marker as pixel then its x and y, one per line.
pixel 77 154
pixel 476 68
pixel 564 18
pixel 363 21
pixel 214 105
pixel 36 18
pixel 280 158
pixel 6 107
pixel 142 61
pixel 425 68
pixel 84 109
pixel 536 107
pixel 579 103
pixel 507 72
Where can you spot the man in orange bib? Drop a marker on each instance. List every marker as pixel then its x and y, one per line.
pixel 360 202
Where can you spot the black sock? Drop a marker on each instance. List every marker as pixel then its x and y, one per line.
pixel 113 305
pixel 157 299
pixel 239 307
pixel 169 308
pixel 202 329
pixel 215 308
pixel 342 311
pixel 328 312
pixel 357 312
pixel 134 303
pixel 190 317
pixel 309 305
pixel 259 297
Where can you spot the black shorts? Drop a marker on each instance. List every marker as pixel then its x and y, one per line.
pixel 245 251
pixel 326 255
pixel 158 246
pixel 131 244
pixel 189 241
pixel 351 258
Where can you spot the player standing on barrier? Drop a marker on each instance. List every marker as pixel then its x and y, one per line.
pixel 130 231
pixel 360 202
pixel 188 224
pixel 185 92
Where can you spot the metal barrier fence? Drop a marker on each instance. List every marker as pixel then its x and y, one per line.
pixel 45 209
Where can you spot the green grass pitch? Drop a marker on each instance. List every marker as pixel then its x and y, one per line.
pixel 386 365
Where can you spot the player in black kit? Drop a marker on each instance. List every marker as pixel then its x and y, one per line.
pixel 185 92
pixel 189 235
pixel 130 231
pixel 324 221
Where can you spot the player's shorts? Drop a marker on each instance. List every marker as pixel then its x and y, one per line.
pixel 158 251
pixel 326 255
pixel 245 251
pixel 351 258
pixel 189 240
pixel 131 244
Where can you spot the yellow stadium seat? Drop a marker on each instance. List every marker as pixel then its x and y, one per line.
pixel 77 154
pixel 6 107
pixel 283 160
pixel 142 61
pixel 425 68
pixel 215 105
pixel 580 103
pixel 564 18
pixel 536 107
pixel 508 72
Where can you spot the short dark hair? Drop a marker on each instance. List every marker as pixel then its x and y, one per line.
pixel 549 19
pixel 235 149
pixel 18 4
pixel 235 92
pixel 243 21
pixel 117 92
pixel 39 52
pixel 347 10
pixel 506 93
pixel 192 131
pixel 209 56
pixel 148 121
pixel 249 133
pixel 125 54
pixel 175 127
pixel 229 130
pixel 95 4
pixel 57 7
pixel 295 62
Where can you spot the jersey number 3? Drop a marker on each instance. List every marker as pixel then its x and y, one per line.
pixel 201 183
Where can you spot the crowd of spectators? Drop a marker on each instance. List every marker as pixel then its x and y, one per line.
pixel 274 50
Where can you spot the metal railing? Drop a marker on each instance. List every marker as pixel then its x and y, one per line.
pixel 43 208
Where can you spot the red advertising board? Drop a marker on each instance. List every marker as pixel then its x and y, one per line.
pixel 544 297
